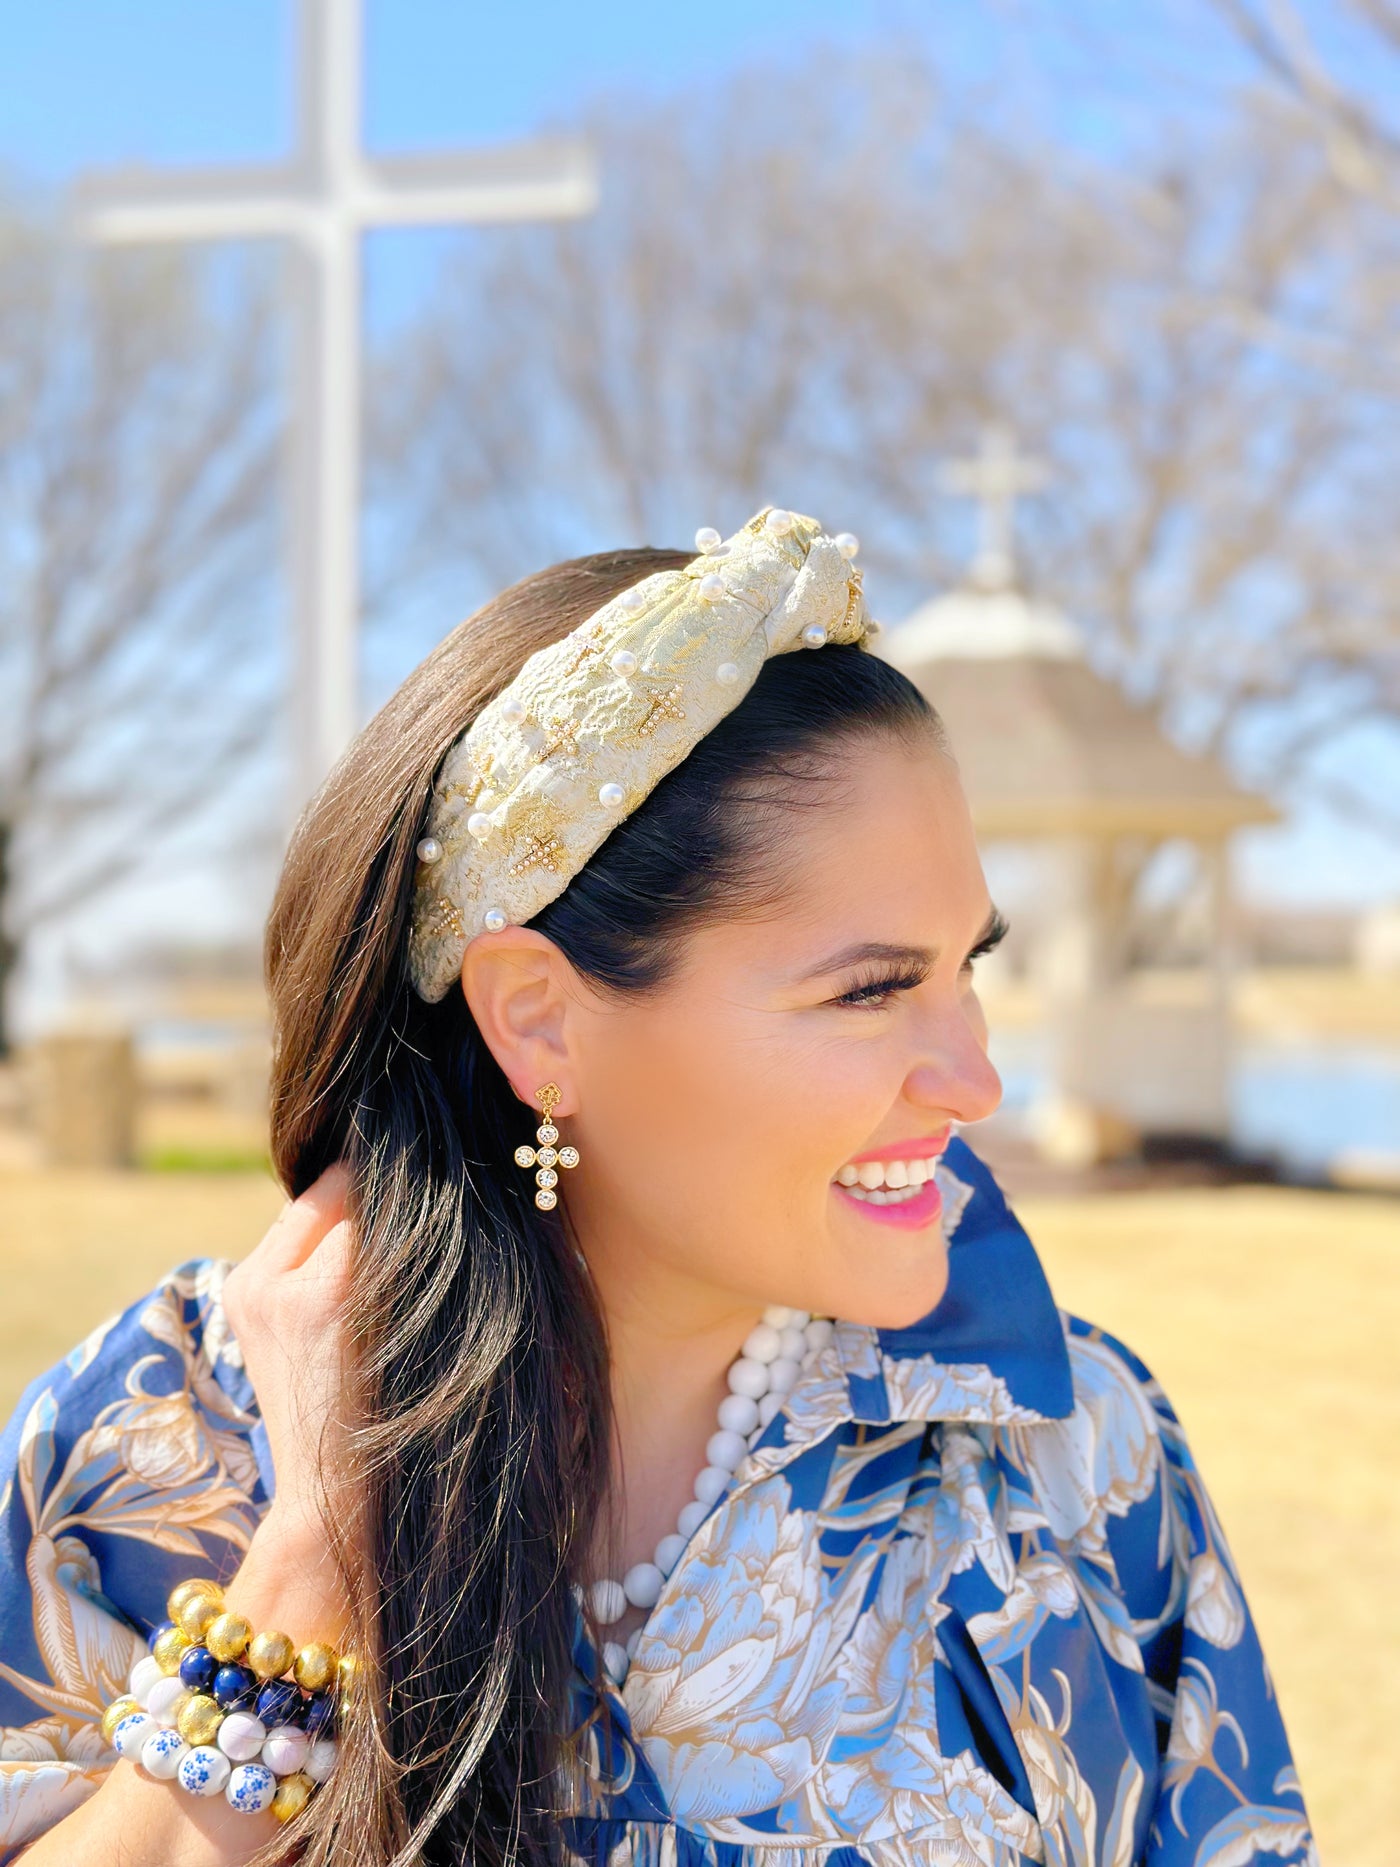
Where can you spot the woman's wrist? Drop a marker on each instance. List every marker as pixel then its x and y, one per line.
pixel 290 1577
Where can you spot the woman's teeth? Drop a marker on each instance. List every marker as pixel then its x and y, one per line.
pixel 886 1183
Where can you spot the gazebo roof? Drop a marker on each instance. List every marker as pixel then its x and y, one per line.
pixel 1045 745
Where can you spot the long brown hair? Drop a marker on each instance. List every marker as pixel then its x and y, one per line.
pixel 478 1412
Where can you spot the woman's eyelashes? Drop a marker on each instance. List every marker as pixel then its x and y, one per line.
pixel 874 994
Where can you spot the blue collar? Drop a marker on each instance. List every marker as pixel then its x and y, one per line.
pixel 992 1349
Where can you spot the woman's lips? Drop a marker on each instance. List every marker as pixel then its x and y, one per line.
pixel 910 1214
pixel 918 1149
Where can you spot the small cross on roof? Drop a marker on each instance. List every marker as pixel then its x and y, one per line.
pixel 996 477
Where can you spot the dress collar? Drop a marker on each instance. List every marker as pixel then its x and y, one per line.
pixel 992 1349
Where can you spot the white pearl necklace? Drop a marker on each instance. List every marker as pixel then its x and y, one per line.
pixel 773 1355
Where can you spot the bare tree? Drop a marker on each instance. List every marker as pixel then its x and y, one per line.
pixel 814 284
pixel 1338 67
pixel 137 438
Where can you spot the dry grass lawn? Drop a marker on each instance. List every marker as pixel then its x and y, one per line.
pixel 1270 1315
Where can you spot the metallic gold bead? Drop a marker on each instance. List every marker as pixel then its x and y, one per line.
pixel 169 1648
pixel 291 1796
pixel 315 1666
pixel 199 1719
pixel 270 1654
pixel 184 1591
pixel 198 1611
pixel 346 1676
pixel 178 1704
pixel 118 1709
pixel 227 1637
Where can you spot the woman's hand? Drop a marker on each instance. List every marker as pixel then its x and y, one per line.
pixel 282 1304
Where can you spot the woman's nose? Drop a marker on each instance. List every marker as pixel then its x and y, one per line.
pixel 960 1081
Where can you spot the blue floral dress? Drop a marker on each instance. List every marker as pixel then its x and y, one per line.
pixel 965 1600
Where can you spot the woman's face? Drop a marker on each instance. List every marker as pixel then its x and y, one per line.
pixel 714 1118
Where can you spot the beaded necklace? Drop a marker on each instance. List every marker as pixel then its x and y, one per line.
pixel 772 1356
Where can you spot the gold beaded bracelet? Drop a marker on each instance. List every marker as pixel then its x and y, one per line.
pixel 203 1733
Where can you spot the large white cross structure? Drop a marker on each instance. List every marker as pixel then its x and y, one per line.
pixel 318 203
pixel 996 476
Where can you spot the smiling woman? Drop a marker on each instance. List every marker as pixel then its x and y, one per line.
pixel 625 891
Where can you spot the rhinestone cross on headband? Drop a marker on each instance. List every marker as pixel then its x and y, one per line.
pixel 592 722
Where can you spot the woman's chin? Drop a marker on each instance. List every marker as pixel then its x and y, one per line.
pixel 903 1289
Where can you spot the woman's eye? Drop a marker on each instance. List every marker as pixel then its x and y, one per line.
pixel 874 992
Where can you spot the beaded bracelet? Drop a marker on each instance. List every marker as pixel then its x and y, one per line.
pixel 211 1707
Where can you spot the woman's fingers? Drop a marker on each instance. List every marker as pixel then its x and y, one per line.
pixel 304 1222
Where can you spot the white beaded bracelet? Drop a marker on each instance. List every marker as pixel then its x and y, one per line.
pixel 252 1766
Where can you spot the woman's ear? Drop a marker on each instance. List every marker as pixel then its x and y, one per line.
pixel 518 986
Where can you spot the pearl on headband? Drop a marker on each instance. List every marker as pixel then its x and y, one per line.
pixel 593 721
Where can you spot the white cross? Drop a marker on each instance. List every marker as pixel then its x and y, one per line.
pixel 319 203
pixel 996 476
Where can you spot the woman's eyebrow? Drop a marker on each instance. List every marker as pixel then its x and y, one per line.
pixel 895 953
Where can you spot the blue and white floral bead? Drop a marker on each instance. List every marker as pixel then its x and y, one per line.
pixel 162 1754
pixel 250 1788
pixel 132 1733
pixel 204 1771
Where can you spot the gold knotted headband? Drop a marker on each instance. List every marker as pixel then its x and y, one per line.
pixel 592 722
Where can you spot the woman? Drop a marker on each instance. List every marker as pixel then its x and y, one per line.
pixel 948 1587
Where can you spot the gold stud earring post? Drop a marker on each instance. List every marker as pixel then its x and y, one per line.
pixel 546 1157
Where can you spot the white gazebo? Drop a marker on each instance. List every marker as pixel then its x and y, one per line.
pixel 1057 758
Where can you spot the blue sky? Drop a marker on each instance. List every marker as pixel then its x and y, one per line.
pixel 92 83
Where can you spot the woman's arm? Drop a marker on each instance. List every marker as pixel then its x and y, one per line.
pixel 286 1580
pixel 173 1458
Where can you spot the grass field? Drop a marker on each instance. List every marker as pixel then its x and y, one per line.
pixel 1270 1315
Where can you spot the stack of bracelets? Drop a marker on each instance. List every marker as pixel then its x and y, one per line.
pixel 212 1707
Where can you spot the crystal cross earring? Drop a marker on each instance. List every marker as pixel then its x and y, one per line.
pixel 546 1156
